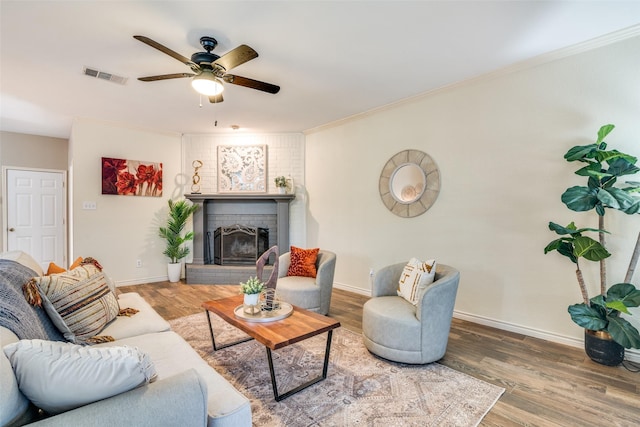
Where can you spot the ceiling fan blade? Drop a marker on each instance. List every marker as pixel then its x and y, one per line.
pixel 165 50
pixel 216 99
pixel 165 77
pixel 237 56
pixel 253 84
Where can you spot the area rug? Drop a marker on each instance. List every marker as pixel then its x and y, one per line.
pixel 360 389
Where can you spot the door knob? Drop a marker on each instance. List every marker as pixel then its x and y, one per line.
pixel 12 229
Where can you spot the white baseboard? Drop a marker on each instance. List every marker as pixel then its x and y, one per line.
pixel 141 281
pixel 353 289
pixel 632 355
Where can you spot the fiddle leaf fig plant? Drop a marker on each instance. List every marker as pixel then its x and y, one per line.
pixel 603 168
pixel 574 245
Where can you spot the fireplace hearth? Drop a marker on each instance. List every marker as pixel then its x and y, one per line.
pixel 239 244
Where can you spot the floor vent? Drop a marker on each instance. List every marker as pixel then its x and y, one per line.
pixel 104 76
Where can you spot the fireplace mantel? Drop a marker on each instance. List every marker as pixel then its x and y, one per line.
pixel 239 196
pixel 206 201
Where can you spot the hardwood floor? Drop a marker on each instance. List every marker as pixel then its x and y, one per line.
pixel 546 384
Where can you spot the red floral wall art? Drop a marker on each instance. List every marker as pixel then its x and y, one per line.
pixel 131 177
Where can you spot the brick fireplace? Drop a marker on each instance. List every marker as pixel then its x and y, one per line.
pixel 266 211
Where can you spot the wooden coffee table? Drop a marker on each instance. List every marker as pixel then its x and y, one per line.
pixel 300 325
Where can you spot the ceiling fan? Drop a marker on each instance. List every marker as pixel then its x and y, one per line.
pixel 210 70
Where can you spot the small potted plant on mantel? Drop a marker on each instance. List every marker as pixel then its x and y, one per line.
pixel 607 333
pixel 281 184
pixel 179 213
pixel 251 290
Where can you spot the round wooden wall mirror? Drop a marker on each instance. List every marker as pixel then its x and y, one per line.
pixel 409 183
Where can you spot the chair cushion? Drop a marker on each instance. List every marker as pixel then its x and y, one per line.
pixel 58 376
pixel 391 322
pixel 415 277
pixel 303 262
pixel 299 291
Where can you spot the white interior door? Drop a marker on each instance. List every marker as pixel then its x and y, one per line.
pixel 35 215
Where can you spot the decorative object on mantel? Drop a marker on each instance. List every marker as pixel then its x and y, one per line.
pixel 607 334
pixel 195 180
pixel 281 184
pixel 251 290
pixel 242 168
pixel 409 183
pixel 179 213
pixel 291 186
pixel 131 177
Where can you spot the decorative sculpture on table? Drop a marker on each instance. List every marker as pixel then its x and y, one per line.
pixel 272 282
pixel 268 308
pixel 195 181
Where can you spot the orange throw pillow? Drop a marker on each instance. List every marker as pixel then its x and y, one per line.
pixel 76 263
pixel 54 269
pixel 303 262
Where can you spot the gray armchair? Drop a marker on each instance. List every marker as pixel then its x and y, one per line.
pixel 307 292
pixel 397 330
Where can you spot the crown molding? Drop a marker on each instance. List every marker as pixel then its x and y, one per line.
pixel 611 38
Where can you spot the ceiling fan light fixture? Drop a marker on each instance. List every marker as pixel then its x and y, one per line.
pixel 207 84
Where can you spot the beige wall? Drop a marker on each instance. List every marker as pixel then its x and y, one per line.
pixel 29 152
pixel 122 229
pixel 499 142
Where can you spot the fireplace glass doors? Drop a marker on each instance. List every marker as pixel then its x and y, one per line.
pixel 239 245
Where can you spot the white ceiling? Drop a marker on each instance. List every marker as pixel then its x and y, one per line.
pixel 332 59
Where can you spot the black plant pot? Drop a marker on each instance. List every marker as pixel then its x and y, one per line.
pixel 601 348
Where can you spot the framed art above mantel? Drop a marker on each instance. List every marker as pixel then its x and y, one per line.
pixel 242 168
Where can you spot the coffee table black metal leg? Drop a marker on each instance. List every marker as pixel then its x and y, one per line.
pixel 213 340
pixel 325 368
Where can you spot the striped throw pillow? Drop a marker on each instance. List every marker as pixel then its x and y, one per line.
pixel 79 302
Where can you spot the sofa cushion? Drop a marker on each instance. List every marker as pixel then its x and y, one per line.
pixel 24 259
pixel 13 404
pixel 58 376
pixel 79 302
pixel 171 355
pixel 415 277
pixel 303 262
pixel 146 321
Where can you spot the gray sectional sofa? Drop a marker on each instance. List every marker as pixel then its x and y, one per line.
pixel 187 392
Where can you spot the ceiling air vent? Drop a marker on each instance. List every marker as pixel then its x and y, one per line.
pixel 91 72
